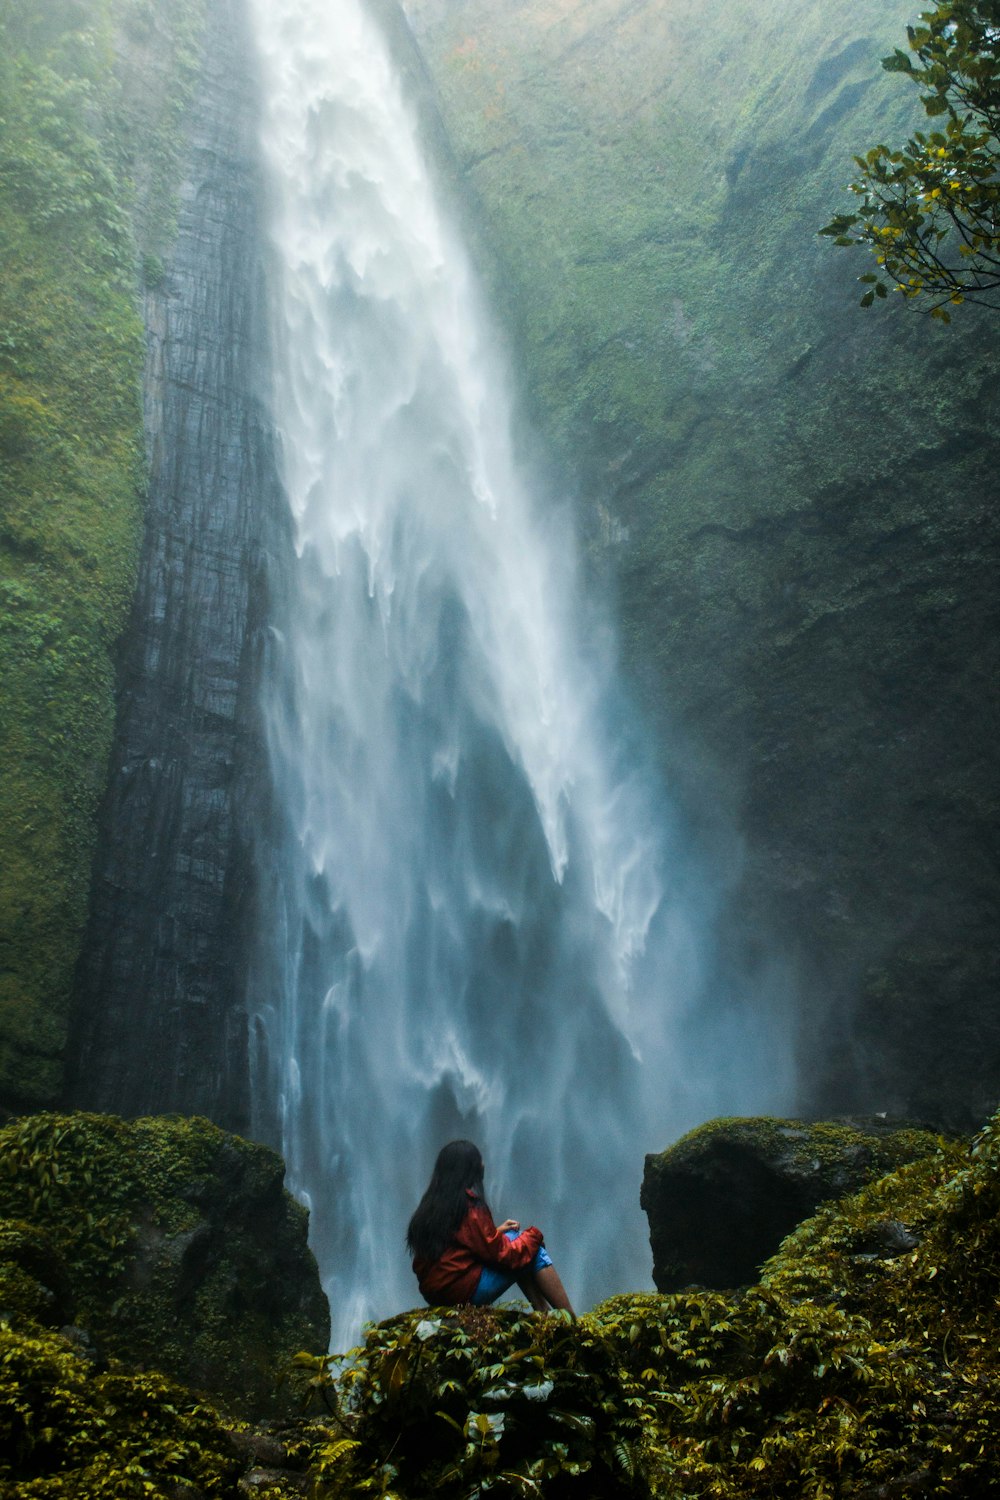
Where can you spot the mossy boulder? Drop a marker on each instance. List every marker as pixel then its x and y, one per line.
pixel 172 1243
pixel 721 1200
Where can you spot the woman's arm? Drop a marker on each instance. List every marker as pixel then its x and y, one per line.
pixel 489 1244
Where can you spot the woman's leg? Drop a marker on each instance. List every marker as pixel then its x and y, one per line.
pixel 542 1284
pixel 549 1284
pixel 528 1283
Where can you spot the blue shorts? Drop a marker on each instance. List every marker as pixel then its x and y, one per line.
pixel 493 1282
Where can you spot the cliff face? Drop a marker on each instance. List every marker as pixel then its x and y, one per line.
pixel 158 1020
pixel 87 168
pixel 795 501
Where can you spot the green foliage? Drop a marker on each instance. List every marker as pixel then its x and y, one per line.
pixel 930 212
pixel 70 1432
pixel 470 1401
pixel 865 1361
pixel 836 1377
pixel 74 133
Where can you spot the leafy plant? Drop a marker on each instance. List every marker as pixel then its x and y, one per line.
pixel 930 211
pixel 470 1401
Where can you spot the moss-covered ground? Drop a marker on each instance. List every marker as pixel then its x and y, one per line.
pixel 855 1369
pixel 88 159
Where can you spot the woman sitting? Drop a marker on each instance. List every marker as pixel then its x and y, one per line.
pixel 460 1255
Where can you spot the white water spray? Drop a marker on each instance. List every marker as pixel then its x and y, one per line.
pixel 467 866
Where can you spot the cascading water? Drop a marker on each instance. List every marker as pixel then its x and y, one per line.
pixel 466 868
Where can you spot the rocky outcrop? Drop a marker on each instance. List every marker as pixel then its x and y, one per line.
pixel 166 1244
pixel 159 1023
pixel 722 1199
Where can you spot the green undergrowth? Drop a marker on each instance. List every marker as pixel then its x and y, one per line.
pixel 863 1364
pixel 853 1364
pixel 68 1429
pixel 80 206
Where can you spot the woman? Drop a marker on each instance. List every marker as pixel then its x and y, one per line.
pixel 460 1255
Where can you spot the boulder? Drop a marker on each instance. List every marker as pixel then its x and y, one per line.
pixel 721 1200
pixel 175 1244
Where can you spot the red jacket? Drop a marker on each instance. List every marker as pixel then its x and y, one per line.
pixel 477 1242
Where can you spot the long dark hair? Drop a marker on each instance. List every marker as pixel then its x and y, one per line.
pixel 459 1167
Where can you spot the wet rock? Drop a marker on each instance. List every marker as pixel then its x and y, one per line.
pixel 159 1020
pixel 85 1345
pixel 722 1199
pixel 887 1240
pixel 263 1449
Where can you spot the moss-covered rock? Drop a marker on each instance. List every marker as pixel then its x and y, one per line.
pixel 721 1200
pixel 178 1245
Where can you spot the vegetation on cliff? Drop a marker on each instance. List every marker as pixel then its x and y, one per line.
pixel 89 149
pixel 862 1366
pixel 930 211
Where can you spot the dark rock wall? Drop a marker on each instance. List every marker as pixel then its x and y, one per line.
pixel 159 1023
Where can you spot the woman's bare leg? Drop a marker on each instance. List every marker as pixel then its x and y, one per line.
pixel 544 1290
pixel 529 1286
pixel 551 1287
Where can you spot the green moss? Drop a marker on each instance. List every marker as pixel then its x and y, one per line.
pixel 805 1144
pixel 72 216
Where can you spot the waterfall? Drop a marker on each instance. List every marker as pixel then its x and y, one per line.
pixel 467 867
